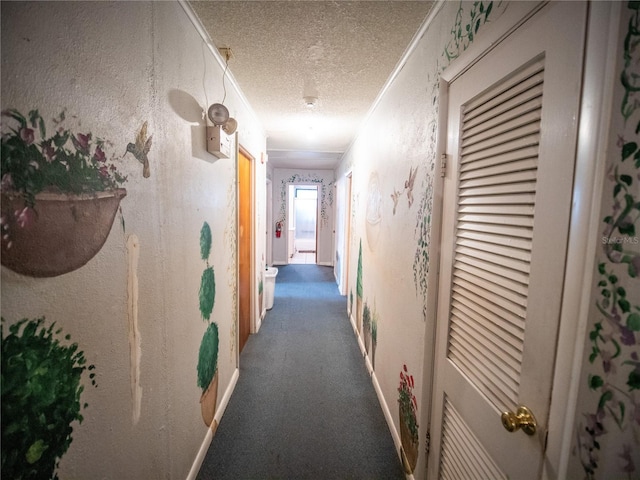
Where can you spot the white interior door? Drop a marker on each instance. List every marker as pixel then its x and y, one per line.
pixel 511 138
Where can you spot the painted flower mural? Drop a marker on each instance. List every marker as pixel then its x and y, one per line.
pixel 408 409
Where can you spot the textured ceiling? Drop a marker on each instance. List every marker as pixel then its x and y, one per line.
pixel 342 52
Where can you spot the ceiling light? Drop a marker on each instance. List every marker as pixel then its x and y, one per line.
pixel 310 101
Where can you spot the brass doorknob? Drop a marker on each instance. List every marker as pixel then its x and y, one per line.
pixel 522 419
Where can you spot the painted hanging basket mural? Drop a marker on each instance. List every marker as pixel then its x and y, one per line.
pixel 60 196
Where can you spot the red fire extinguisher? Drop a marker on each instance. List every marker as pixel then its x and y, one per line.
pixel 278 229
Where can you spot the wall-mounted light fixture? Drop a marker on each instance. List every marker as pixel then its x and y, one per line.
pixel 218 136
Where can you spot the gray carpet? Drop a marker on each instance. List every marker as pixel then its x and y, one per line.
pixel 304 406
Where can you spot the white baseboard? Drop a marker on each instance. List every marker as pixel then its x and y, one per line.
pixel 202 452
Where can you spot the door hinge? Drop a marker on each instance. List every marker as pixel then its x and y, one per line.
pixel 443 165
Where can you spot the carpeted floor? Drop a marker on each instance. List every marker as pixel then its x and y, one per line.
pixel 304 406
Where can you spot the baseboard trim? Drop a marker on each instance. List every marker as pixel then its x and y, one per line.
pixel 202 452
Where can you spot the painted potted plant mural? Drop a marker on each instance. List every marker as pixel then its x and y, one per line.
pixel 60 195
pixel 41 389
pixel 366 327
pixel 359 290
pixel 374 338
pixel 408 409
pixel 208 354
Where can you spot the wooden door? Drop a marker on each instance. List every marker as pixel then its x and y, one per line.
pixel 511 137
pixel 244 247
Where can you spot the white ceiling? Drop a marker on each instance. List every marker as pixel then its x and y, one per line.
pixel 342 52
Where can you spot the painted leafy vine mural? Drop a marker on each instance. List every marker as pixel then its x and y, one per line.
pixel 613 372
pixel 463 33
pixel 326 195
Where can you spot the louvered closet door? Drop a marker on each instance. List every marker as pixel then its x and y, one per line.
pixel 507 193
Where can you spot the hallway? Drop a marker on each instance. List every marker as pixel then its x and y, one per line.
pixel 304 405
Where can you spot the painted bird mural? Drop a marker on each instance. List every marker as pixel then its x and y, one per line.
pixel 395 196
pixel 140 149
pixel 408 185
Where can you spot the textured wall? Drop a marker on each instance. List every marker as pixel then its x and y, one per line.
pixel 114 65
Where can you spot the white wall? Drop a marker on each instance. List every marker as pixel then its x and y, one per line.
pixel 114 65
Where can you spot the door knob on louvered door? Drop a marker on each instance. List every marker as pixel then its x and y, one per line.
pixel 522 419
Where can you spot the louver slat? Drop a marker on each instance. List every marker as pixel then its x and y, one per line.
pixel 492 253
pixel 463 456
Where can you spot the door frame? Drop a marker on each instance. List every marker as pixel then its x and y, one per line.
pixel 594 115
pixel 290 205
pixel 252 242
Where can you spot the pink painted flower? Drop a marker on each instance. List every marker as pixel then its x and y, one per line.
pixel 49 152
pixel 25 217
pixel 7 182
pixel 81 142
pixel 104 171
pixel 99 156
pixel 26 134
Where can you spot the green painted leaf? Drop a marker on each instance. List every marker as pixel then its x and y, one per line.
pixel 634 380
pixel 633 322
pixel 613 279
pixel 624 305
pixel 606 396
pixel 35 451
pixel 628 149
pixel 626 179
pixel 595 381
pixel 601 268
pixel 627 228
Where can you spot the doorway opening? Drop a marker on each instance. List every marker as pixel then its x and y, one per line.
pixel 303 224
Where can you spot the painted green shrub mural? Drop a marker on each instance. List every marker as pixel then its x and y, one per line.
pixel 41 390
pixel 608 434
pixel 209 346
pixel 359 289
